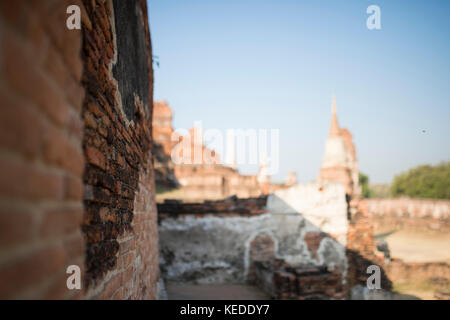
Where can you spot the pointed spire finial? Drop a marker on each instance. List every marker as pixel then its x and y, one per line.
pixel 334 126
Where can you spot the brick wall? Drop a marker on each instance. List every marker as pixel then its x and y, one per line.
pixel 360 251
pixel 399 270
pixel 41 155
pixel 409 214
pixel 231 206
pixel 315 283
pixel 120 218
pixel 77 183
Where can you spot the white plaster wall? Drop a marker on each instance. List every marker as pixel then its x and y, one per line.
pixel 216 249
pixel 323 205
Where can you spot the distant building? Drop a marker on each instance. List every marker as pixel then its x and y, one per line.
pixel 339 163
pixel 162 125
pixel 204 176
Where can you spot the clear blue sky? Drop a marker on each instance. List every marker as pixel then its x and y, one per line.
pixel 276 64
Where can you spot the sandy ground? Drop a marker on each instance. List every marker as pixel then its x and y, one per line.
pixel 418 247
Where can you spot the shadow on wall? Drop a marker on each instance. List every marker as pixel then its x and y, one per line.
pixel 277 249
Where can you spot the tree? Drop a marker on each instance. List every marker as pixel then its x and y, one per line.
pixel 424 181
pixel 364 182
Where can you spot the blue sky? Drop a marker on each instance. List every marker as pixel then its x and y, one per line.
pixel 275 64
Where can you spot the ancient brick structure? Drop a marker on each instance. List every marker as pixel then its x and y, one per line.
pixel 314 283
pixel 162 126
pixel 361 249
pixel 76 183
pixel 339 163
pixel 200 172
pixel 256 240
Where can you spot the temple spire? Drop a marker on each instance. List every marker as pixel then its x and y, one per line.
pixel 334 126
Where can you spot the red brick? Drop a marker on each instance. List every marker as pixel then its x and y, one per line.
pixel 73 187
pixel 95 157
pixel 18 65
pixel 17 226
pixel 32 269
pixel 61 221
pixel 21 127
pixel 111 287
pixel 22 181
pixel 89 120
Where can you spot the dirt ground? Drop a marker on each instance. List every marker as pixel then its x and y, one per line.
pixel 180 291
pixel 418 247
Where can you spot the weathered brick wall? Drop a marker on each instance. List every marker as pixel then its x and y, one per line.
pixel 120 218
pixel 41 156
pixel 399 270
pixel 231 206
pixel 409 214
pixel 75 159
pixel 360 251
pixel 262 251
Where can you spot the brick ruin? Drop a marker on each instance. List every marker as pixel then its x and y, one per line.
pixel 413 216
pixel 204 179
pixel 77 184
pixel 339 163
pixel 302 241
pixel 296 243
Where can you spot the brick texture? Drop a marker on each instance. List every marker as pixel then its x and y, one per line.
pixel 120 217
pixel 41 155
pixel 231 206
pixel 314 283
pixel 77 184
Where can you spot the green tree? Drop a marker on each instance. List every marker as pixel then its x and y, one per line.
pixel 424 181
pixel 364 182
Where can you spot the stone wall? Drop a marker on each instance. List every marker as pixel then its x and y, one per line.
pixel 409 214
pixel 76 183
